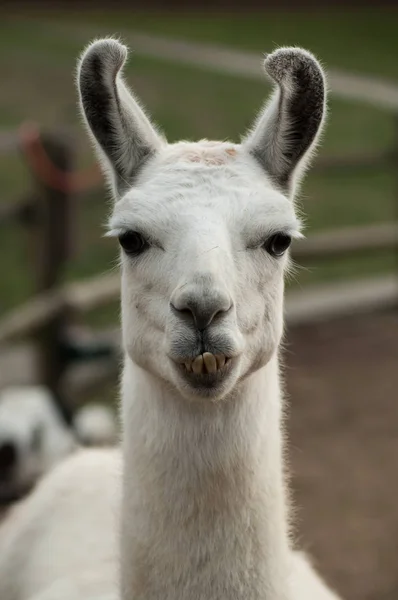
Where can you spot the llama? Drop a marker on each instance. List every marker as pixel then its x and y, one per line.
pixel 199 490
pixel 34 436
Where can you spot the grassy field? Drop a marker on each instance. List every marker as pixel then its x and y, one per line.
pixel 357 40
pixel 37 61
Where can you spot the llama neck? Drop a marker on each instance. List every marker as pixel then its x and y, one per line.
pixel 204 511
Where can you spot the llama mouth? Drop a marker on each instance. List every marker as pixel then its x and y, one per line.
pixel 206 373
pixel 206 364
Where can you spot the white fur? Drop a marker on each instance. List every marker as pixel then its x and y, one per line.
pixel 32 424
pixel 30 421
pixel 95 425
pixel 204 513
pixel 58 542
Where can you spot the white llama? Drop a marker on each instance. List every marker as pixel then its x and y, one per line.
pixel 204 230
pixel 34 436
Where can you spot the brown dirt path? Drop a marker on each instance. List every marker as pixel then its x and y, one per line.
pixel 342 379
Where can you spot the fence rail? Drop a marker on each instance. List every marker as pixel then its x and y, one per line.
pixel 82 297
pixel 347 242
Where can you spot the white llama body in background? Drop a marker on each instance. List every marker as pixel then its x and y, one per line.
pixel 204 229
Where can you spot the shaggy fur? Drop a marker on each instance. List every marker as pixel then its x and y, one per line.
pixel 203 510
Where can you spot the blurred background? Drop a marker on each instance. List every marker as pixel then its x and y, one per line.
pixel 197 68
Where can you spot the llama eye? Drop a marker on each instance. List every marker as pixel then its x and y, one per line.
pixel 132 242
pixel 277 244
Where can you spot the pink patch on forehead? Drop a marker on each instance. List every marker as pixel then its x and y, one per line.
pixel 211 155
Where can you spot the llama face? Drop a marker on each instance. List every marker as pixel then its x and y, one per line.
pixel 204 228
pixel 203 236
pixel 32 439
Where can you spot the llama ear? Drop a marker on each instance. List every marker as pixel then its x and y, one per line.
pixel 123 134
pixel 286 131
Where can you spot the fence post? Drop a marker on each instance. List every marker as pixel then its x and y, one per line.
pixel 51 239
pixel 395 171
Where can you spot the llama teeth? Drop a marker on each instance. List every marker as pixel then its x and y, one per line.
pixel 206 363
pixel 197 365
pixel 210 362
pixel 220 358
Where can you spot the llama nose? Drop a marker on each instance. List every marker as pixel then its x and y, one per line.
pixel 8 458
pixel 201 307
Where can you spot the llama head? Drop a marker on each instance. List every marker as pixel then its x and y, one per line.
pixel 204 227
pixel 33 438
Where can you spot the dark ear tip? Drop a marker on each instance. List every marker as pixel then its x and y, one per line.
pixel 108 52
pixel 285 63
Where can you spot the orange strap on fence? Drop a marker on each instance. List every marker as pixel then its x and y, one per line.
pixel 47 172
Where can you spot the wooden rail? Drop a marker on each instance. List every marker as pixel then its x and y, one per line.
pixel 347 242
pixel 82 297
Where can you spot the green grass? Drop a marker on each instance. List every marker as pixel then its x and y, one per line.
pixel 362 40
pixel 37 64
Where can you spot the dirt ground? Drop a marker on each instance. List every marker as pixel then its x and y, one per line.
pixel 342 380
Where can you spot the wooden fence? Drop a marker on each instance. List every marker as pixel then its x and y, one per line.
pixel 48 214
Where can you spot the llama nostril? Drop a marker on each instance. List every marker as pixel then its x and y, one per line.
pixel 182 313
pixel 8 457
pixel 202 311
